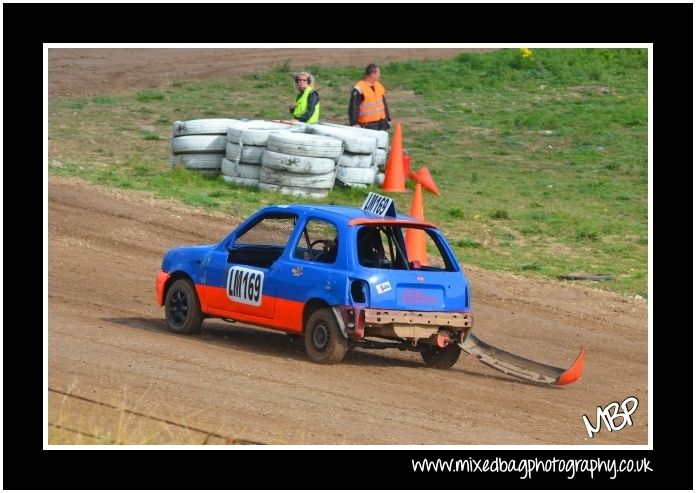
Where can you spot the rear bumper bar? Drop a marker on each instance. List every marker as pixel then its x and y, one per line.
pixel 460 320
pixel 358 323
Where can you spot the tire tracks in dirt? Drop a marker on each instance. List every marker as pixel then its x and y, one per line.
pixel 107 342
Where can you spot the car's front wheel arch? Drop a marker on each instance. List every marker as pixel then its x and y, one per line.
pixel 182 307
pixel 173 277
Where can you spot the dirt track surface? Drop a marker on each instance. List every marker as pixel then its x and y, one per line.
pixel 90 71
pixel 117 375
pixel 116 372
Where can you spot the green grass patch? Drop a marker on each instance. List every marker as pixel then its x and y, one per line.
pixel 105 100
pixel 542 162
pixel 455 213
pixel 467 244
pixel 500 214
pixel 149 95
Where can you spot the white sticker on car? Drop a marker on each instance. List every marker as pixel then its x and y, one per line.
pixel 245 285
pixel 383 288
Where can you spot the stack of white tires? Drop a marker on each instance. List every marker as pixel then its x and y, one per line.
pixel 300 164
pixel 199 145
pixel 246 142
pixel 364 151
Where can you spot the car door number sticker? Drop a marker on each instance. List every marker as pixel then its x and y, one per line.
pixel 245 285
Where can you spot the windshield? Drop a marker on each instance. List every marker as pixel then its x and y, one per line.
pixel 384 247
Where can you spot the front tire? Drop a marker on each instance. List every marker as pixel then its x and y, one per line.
pixel 324 342
pixel 182 308
pixel 441 358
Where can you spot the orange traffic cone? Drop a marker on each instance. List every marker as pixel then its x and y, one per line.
pixel 394 179
pixel 415 238
pixel 407 163
pixel 424 177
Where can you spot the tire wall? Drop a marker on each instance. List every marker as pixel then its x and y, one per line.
pixel 302 160
pixel 199 145
pixel 300 164
pixel 365 152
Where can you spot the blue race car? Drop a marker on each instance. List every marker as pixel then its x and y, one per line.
pixel 341 277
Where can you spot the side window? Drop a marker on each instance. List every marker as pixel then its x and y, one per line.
pixel 318 242
pixel 264 242
pixel 272 230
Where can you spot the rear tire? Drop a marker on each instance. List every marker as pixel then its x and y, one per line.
pixel 441 358
pixel 324 342
pixel 182 308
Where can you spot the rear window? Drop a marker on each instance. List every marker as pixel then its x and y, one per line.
pixel 384 247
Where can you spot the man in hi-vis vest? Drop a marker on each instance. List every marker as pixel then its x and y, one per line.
pixel 306 107
pixel 368 105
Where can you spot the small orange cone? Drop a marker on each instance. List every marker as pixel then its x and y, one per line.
pixel 424 177
pixel 415 238
pixel 394 179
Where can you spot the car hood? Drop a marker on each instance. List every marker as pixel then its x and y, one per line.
pixel 183 256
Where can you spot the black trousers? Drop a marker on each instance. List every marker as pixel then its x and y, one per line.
pixel 380 125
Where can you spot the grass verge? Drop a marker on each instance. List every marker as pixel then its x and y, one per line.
pixel 542 161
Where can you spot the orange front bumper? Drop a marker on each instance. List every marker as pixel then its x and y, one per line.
pixel 160 283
